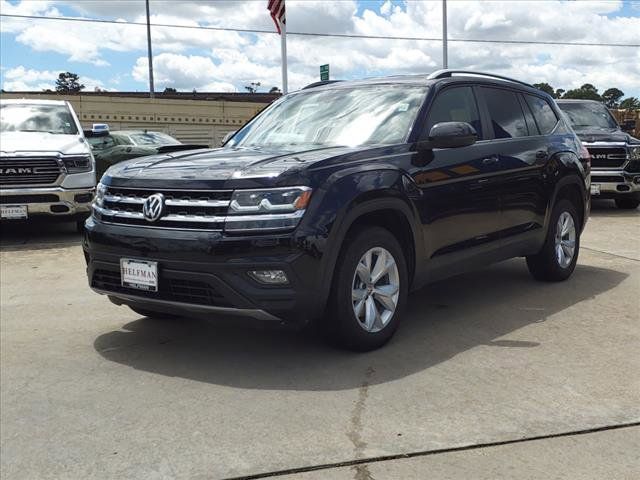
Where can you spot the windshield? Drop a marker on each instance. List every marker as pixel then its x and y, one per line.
pixel 588 114
pixel 152 138
pixel 339 116
pixel 37 118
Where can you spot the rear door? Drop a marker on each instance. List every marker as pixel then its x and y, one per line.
pixel 459 205
pixel 522 154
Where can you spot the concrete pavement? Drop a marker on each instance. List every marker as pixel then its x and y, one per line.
pixel 91 390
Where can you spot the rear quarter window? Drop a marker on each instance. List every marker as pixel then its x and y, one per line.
pixel 543 114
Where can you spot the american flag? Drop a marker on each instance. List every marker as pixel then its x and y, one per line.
pixel 276 7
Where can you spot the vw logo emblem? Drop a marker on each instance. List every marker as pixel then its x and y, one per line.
pixel 153 207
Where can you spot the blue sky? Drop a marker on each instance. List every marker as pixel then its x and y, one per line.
pixel 113 57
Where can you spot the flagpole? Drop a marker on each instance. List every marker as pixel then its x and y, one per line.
pixel 283 50
pixel 149 54
pixel 445 55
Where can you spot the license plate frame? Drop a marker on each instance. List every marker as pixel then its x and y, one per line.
pixel 595 189
pixel 139 274
pixel 14 212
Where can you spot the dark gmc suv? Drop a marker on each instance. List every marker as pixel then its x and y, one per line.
pixel 338 200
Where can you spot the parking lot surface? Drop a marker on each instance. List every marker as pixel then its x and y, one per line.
pixel 483 360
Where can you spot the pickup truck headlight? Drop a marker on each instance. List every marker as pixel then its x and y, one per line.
pixel 267 209
pixel 634 153
pixel 78 164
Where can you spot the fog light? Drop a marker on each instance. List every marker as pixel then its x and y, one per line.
pixel 269 277
pixel 636 180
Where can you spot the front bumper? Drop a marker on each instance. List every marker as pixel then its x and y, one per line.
pixel 615 183
pixel 54 201
pixel 204 272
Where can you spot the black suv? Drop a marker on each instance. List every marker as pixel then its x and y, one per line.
pixel 615 155
pixel 338 200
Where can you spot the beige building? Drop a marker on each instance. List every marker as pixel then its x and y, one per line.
pixel 202 118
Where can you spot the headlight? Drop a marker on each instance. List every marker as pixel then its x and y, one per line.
pixel 77 164
pixel 268 209
pixel 634 153
pixel 101 190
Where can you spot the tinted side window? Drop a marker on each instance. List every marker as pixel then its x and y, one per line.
pixel 505 112
pixel 455 105
pixel 543 113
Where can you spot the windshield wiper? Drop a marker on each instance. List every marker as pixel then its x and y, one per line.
pixel 53 132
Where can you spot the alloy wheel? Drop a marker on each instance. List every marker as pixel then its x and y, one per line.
pixel 375 289
pixel 565 239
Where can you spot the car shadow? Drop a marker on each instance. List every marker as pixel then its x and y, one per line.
pixel 37 234
pixel 442 320
pixel 607 208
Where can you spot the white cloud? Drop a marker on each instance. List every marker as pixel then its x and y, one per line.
pixel 192 58
pixel 26 79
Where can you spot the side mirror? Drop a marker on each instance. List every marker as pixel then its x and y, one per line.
pixel 452 135
pixel 628 125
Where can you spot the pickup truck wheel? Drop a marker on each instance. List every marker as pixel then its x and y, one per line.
pixel 369 291
pixel 150 314
pixel 557 259
pixel 627 203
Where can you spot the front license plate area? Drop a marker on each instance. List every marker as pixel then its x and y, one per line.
pixel 13 212
pixel 595 189
pixel 139 274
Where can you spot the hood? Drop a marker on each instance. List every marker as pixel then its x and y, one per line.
pixel 14 142
pixel 591 135
pixel 219 165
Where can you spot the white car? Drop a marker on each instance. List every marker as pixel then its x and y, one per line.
pixel 46 165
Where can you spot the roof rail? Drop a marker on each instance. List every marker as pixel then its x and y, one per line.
pixel 318 84
pixel 445 73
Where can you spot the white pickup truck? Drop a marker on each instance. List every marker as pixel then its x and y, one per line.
pixel 46 165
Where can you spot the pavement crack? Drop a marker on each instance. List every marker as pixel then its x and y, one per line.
pixel 364 461
pixel 355 432
pixel 609 253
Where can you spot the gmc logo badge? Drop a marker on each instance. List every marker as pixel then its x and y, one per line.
pixel 16 171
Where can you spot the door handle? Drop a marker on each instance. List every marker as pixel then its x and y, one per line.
pixel 541 155
pixel 490 160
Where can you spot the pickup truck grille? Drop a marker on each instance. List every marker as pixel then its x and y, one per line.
pixel 184 209
pixel 16 171
pixel 607 157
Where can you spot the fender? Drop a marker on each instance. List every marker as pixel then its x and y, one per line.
pixel 360 192
pixel 569 171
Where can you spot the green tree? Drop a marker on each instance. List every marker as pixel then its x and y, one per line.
pixel 545 87
pixel 274 90
pixel 253 87
pixel 585 92
pixel 68 82
pixel 630 103
pixel 170 90
pixel 612 96
pixel 559 93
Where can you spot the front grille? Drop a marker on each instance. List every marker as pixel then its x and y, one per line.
pixel 607 179
pixel 169 289
pixel 607 157
pixel 38 198
pixel 184 209
pixel 29 171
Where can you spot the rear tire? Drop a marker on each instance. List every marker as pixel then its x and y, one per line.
pixel 627 203
pixel 369 291
pixel 557 259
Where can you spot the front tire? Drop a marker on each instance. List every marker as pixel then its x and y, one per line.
pixel 558 257
pixel 627 203
pixel 369 290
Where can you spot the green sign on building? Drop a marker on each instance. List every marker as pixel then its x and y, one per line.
pixel 324 72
